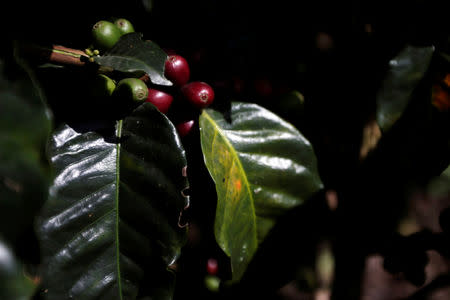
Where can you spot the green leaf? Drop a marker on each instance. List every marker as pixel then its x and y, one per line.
pixel 24 127
pixel 133 55
pixel 439 186
pixel 262 167
pixel 110 227
pixel 405 72
pixel 290 106
pixel 14 285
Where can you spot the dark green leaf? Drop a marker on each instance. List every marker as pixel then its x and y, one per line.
pixel 14 285
pixel 405 72
pixel 110 227
pixel 440 186
pixel 133 55
pixel 262 167
pixel 290 106
pixel 24 127
pixel 445 56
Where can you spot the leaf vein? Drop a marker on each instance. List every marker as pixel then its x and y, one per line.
pixel 245 179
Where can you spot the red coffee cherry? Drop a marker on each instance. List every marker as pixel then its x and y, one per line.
pixel 212 266
pixel 177 70
pixel 198 93
pixel 184 128
pixel 160 99
pixel 263 87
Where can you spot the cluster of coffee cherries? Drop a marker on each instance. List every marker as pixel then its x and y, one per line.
pixel 212 281
pixel 196 94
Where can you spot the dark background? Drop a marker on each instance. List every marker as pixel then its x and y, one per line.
pixel 263 45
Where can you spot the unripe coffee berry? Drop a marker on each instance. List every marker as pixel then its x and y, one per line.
pixel 124 25
pixel 105 35
pixel 133 89
pixel 212 283
pixel 198 93
pixel 177 70
pixel 160 99
pixel 102 86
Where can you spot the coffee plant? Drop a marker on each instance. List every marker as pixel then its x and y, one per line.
pixel 132 167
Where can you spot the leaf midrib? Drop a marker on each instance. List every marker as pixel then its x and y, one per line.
pixel 241 168
pixel 119 277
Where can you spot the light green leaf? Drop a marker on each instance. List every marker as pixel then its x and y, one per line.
pixel 262 167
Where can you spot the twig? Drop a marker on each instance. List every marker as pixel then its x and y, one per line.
pixel 53 54
pixel 63 55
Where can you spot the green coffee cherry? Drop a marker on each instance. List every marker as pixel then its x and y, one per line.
pixel 124 25
pixel 212 283
pixel 102 86
pixel 132 88
pixel 105 35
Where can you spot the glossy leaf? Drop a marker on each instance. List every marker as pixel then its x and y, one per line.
pixel 405 72
pixel 131 54
pixel 110 227
pixel 262 167
pixel 14 285
pixel 24 127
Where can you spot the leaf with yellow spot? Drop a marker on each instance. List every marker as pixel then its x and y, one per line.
pixel 262 166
